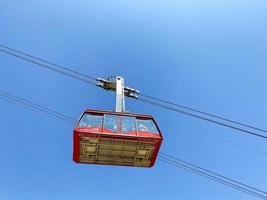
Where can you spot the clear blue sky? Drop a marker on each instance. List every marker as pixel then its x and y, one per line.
pixel 210 55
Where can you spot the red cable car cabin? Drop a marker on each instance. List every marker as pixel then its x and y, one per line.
pixel 112 138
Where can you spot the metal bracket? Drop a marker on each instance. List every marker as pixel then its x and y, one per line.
pixel 116 83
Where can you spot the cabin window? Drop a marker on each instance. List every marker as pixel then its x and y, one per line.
pixel 128 124
pixel 91 121
pixel 144 125
pixel 111 123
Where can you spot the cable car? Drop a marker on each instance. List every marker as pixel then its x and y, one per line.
pixel 116 138
pixel 103 137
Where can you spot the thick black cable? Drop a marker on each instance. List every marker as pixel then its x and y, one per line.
pixel 48 62
pixel 34 106
pixel 16 103
pixel 184 168
pixel 203 118
pixel 199 131
pixel 50 68
pixel 208 176
pixel 68 119
pixel 202 112
pixel 211 178
pixel 228 141
pixel 85 79
pixel 214 173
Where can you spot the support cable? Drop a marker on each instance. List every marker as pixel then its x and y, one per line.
pixel 88 79
pixel 66 72
pixel 7 96
pixel 204 113
pixel 203 118
pixel 206 175
pixel 163 156
pixel 213 173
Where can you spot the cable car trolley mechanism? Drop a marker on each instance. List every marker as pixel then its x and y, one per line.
pixel 116 138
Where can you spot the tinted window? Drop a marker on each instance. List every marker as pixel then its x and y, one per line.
pixel 127 124
pixel 111 122
pixel 146 126
pixel 91 121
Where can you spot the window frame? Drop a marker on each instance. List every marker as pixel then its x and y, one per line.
pixel 103 115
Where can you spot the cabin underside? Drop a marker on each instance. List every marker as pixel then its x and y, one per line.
pixel 116 151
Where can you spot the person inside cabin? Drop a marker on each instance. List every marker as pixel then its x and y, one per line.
pixel 142 126
pixel 127 124
pixel 111 123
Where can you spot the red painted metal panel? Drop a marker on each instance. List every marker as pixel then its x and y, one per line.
pixel 155 138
